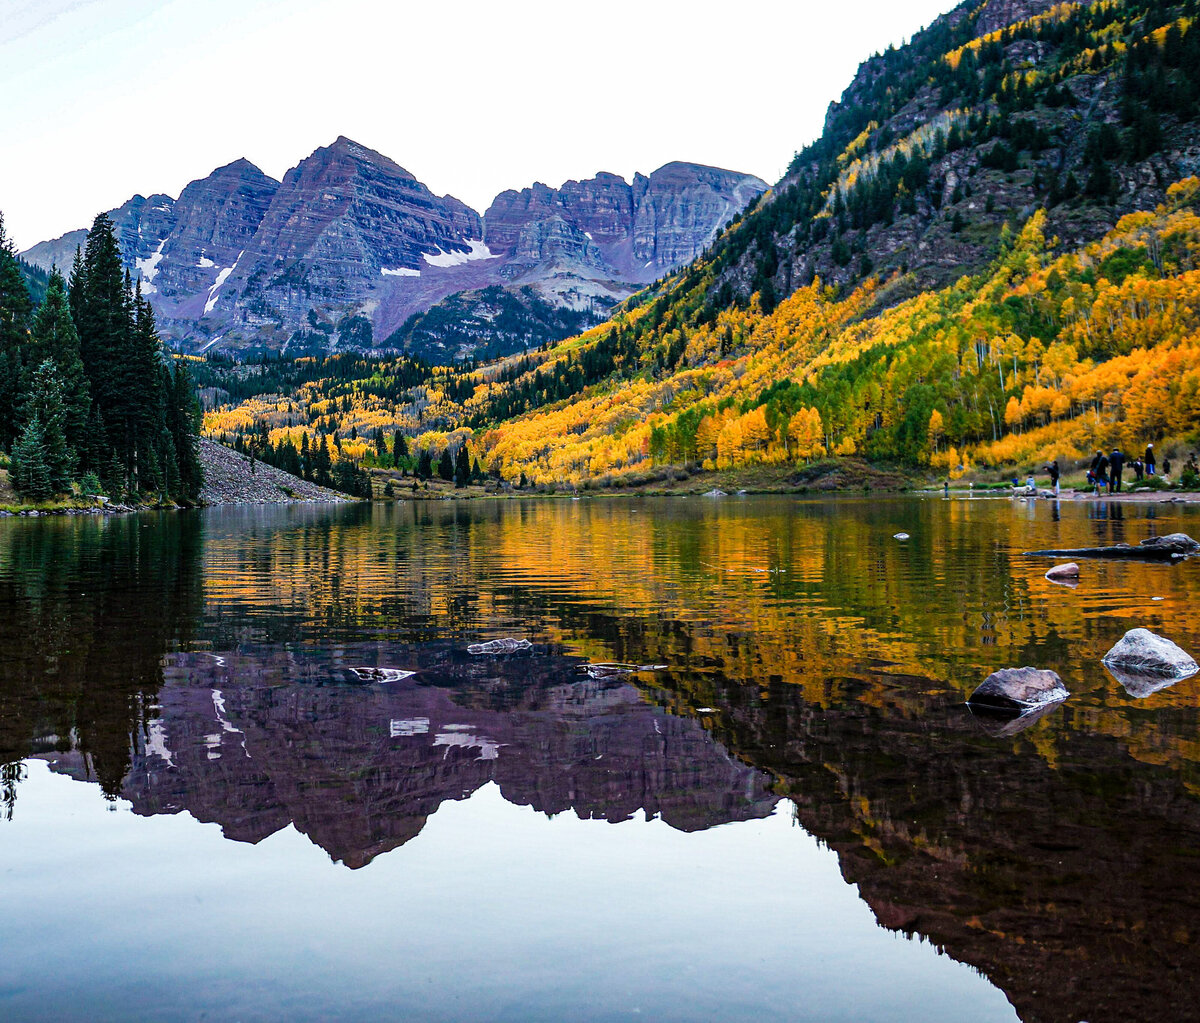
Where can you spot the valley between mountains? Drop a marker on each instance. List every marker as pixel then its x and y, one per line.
pixel 989 259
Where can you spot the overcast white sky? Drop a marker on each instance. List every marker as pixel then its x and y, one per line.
pixel 105 98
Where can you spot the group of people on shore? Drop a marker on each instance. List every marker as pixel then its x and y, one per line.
pixel 1106 470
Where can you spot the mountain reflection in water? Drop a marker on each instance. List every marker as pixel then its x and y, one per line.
pixel 201 663
pixel 360 768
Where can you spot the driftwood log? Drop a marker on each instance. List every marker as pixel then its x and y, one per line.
pixel 1173 547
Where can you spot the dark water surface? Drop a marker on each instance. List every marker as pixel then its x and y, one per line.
pixel 211 815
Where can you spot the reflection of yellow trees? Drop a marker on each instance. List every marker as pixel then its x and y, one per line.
pixel 763 595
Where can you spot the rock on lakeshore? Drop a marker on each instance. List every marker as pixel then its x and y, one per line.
pixel 1018 689
pixel 228 480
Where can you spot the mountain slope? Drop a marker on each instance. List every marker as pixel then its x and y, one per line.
pixel 935 157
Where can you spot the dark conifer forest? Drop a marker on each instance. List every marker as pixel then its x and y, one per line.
pixel 89 399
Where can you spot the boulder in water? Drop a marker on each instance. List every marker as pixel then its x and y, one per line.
pixel 1176 543
pixel 899 536
pixel 1144 662
pixel 1019 689
pixel 1067 575
pixel 716 492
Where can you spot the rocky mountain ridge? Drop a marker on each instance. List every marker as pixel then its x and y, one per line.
pixel 993 111
pixel 350 247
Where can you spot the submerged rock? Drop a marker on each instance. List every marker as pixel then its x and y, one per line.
pixel 500 646
pixel 1019 688
pixel 1144 662
pixel 1000 722
pixel 373 674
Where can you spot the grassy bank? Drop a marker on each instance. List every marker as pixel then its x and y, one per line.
pixel 847 475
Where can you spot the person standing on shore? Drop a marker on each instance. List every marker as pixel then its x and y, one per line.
pixel 1053 471
pixel 1148 458
pixel 1116 462
pixel 1099 471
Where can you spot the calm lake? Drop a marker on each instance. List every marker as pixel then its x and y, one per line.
pixel 208 813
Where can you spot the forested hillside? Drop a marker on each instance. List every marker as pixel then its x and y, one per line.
pixel 990 255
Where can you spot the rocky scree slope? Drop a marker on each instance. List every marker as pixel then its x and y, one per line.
pixel 228 479
pixel 350 249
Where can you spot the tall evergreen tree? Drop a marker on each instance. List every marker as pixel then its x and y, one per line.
pixel 15 310
pixel 446 465
pixel 44 407
pixel 54 337
pixel 147 385
pixel 321 465
pixel 183 424
pixel 462 467
pixel 105 326
pixel 29 474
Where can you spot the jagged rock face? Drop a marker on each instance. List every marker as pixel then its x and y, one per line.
pixel 637 232
pixel 341 219
pixel 680 207
pixel 139 224
pixel 997 14
pixel 601 209
pixel 245 262
pixel 214 220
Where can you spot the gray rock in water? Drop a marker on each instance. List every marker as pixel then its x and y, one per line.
pixel 716 492
pixel 1017 688
pixel 1178 543
pixel 899 536
pixel 1144 662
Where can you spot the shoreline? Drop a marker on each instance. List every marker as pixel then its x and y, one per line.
pixel 1075 497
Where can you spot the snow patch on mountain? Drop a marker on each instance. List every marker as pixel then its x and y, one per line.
pixel 478 251
pixel 222 277
pixel 148 267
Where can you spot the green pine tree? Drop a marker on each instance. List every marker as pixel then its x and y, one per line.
pixel 462 467
pixel 54 337
pixel 183 424
pixel 44 405
pixel 321 465
pixel 15 311
pixel 30 474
